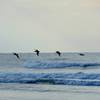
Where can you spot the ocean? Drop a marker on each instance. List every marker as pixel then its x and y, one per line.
pixel 68 77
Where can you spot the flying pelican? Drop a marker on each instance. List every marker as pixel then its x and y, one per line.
pixel 58 52
pixel 37 52
pixel 81 54
pixel 17 55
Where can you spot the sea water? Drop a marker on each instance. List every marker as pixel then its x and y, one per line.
pixel 50 77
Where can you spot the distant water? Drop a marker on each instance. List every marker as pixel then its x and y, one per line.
pixel 49 74
pixel 48 68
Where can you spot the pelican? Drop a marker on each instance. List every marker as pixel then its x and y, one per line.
pixel 81 54
pixel 37 52
pixel 17 55
pixel 58 52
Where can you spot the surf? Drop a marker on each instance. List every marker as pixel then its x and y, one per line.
pixel 81 79
pixel 57 64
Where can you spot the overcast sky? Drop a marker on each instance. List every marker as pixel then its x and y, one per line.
pixel 49 25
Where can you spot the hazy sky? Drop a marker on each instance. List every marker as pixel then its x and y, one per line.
pixel 49 25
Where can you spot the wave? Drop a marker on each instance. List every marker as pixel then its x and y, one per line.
pixel 83 79
pixel 57 64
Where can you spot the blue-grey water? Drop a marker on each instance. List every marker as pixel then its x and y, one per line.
pixel 69 77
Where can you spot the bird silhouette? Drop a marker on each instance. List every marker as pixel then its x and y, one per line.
pixel 58 53
pixel 37 52
pixel 17 55
pixel 81 54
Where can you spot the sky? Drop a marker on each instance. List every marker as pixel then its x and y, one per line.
pixel 49 25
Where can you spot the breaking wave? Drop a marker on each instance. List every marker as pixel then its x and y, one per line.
pixel 57 64
pixel 83 79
